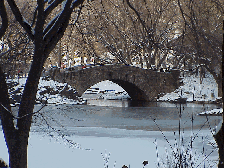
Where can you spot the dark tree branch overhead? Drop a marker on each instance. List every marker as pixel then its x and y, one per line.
pixel 60 18
pixel 148 33
pixel 40 22
pixel 138 15
pixel 59 24
pixel 4 18
pixel 50 25
pixel 76 3
pixel 34 17
pixel 20 18
pixel 52 6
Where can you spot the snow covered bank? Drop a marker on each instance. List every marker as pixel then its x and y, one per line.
pixel 212 112
pixel 194 90
pixel 61 93
pixel 48 90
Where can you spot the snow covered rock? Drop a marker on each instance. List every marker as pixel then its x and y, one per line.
pixel 49 91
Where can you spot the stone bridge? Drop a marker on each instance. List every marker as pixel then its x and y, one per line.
pixel 140 84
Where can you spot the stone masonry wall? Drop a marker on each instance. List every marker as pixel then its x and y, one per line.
pixel 141 84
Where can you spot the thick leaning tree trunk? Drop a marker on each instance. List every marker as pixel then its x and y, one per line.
pixel 219 138
pixel 220 88
pixel 18 139
pixel 6 118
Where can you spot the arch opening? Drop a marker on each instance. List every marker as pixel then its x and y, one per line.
pixel 135 93
pixel 106 90
pixel 115 89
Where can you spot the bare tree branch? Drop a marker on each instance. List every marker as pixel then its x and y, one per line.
pixel 58 22
pixel 4 17
pixel 138 15
pixel 10 112
pixel 20 18
pixel 52 6
pixel 40 22
pixel 34 17
pixel 55 33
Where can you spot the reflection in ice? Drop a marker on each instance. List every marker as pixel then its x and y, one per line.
pixel 114 103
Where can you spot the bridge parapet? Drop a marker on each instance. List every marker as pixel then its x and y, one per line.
pixel 140 84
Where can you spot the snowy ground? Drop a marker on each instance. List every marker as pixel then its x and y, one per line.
pixel 52 91
pixel 193 90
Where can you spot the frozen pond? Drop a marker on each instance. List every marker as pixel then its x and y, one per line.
pixel 127 131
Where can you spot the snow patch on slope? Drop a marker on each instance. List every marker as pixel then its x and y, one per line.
pixel 194 90
pixel 48 90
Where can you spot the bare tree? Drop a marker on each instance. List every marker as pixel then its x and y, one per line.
pixel 202 39
pixel 132 31
pixel 202 46
pixel 45 31
pixel 16 47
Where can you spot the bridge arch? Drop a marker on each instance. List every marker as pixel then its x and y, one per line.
pixel 133 91
pixel 140 84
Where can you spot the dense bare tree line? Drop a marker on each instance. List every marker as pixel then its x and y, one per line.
pixel 131 32
pixel 186 35
pixel 179 34
pixel 202 44
pixel 16 47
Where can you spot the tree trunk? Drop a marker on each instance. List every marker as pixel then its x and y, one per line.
pixel 44 41
pixel 17 138
pixel 220 88
pixel 6 118
pixel 16 145
pixel 18 151
pixel 140 59
pixel 219 79
pixel 219 138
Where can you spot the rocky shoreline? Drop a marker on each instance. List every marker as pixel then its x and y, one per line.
pixel 59 94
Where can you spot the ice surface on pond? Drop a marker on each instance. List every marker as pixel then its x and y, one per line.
pixel 43 151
